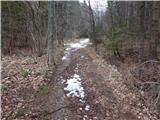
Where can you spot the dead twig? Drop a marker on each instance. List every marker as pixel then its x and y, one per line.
pixel 149 61
pixel 157 98
pixel 45 113
pixel 148 82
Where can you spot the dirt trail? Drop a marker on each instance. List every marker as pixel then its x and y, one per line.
pixel 85 87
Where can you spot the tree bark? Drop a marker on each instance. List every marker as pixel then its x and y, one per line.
pixel 50 34
pixel 142 27
pixel 155 30
pixel 35 26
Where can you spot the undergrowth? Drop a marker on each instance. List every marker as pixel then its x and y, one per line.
pixel 45 90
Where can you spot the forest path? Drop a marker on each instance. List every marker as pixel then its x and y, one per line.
pixel 85 87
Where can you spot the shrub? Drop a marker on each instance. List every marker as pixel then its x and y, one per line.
pixel 25 72
pixel 116 38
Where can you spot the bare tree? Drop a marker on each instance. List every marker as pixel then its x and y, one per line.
pixel 34 17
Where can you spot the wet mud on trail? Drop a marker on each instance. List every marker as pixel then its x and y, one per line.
pixel 85 87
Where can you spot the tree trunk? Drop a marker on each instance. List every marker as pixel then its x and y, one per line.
pixel 142 28
pixel 35 26
pixel 92 21
pixel 111 15
pixel 155 30
pixel 50 34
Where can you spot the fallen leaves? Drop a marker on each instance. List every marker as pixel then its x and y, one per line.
pixel 121 99
pixel 21 77
pixel 105 92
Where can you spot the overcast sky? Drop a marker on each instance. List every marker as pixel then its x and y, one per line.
pixel 98 4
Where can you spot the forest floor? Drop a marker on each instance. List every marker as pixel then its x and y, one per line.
pixel 83 87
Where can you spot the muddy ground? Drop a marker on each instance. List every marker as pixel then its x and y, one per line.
pixel 105 94
pixel 106 97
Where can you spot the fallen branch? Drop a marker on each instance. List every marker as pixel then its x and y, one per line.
pixel 149 61
pixel 157 99
pixel 45 113
pixel 148 82
pixel 54 111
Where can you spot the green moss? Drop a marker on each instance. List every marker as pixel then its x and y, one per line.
pixel 45 89
pixel 4 88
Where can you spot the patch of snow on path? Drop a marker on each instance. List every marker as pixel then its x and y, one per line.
pixel 75 46
pixel 85 117
pixel 66 53
pixel 87 108
pixel 74 87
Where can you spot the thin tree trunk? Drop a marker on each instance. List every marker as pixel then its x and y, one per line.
pixel 142 18
pixel 155 30
pixel 35 26
pixel 92 25
pixel 50 34
pixel 10 30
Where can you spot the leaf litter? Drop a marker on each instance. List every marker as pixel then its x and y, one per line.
pixel 21 78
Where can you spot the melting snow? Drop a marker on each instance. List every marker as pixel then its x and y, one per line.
pixel 63 81
pixel 82 56
pixel 67 53
pixel 74 87
pixel 81 100
pixel 87 108
pixel 81 44
pixel 76 69
pixel 74 46
pixel 85 117
pixel 80 108
pixel 95 118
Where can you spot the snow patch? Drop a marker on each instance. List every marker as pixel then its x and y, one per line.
pixel 76 69
pixel 95 118
pixel 62 81
pixel 82 56
pixel 75 46
pixel 66 53
pixel 74 87
pixel 82 101
pixel 85 117
pixel 87 108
